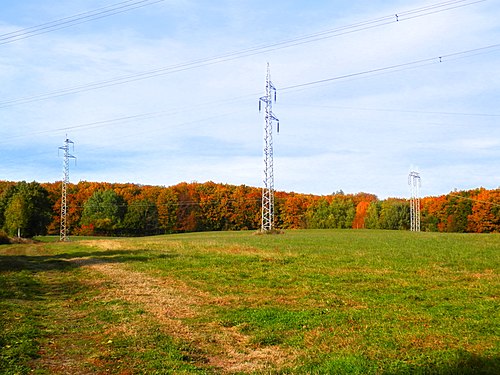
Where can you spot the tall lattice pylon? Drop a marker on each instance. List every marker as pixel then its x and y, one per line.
pixel 268 188
pixel 64 185
pixel 415 183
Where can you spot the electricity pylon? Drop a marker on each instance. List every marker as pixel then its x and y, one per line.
pixel 415 183
pixel 268 189
pixel 65 181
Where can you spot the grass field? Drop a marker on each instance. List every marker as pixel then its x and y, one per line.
pixel 305 302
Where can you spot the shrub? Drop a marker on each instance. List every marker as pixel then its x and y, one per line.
pixel 4 239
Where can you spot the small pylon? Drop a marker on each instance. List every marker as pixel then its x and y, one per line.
pixel 268 188
pixel 415 183
pixel 65 181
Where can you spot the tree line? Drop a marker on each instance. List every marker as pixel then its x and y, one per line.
pixel 98 208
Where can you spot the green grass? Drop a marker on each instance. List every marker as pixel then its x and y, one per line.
pixel 316 301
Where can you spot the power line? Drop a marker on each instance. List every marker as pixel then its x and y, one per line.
pixel 431 60
pixel 76 19
pixel 120 120
pixel 435 8
pixel 445 113
pixel 310 38
pixel 387 69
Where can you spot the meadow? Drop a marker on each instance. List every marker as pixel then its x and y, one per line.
pixel 303 302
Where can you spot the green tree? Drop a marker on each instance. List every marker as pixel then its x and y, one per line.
pixel 6 194
pixel 339 213
pixel 372 215
pixel 459 208
pixel 104 212
pixel 318 215
pixel 141 218
pixel 342 212
pixel 395 214
pixel 27 209
pixel 16 216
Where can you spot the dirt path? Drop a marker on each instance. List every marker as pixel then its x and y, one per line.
pixel 170 302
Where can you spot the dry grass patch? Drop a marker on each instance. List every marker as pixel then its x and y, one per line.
pixel 112 244
pixel 176 307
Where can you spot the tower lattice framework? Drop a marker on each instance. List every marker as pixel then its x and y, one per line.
pixel 64 187
pixel 267 223
pixel 415 184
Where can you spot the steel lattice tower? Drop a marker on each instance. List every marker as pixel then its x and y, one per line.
pixel 415 183
pixel 65 181
pixel 268 189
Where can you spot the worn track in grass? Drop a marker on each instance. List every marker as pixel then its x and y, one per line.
pixel 171 302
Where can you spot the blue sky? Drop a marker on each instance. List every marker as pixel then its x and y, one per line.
pixel 200 121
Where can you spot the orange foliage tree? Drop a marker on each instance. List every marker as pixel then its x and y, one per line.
pixel 362 202
pixel 485 216
pixel 293 211
pixel 206 206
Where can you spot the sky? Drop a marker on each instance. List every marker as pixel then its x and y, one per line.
pixel 159 92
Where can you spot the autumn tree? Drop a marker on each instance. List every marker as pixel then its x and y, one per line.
pixel 246 208
pixel 214 206
pixel 188 207
pixel 166 204
pixel 485 216
pixel 294 210
pixel 360 216
pixel 433 210
pixel 54 191
pixel 101 207
pixel 362 202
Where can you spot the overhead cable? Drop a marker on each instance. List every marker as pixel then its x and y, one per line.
pixel 431 60
pixel 305 85
pixel 76 19
pixel 326 34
